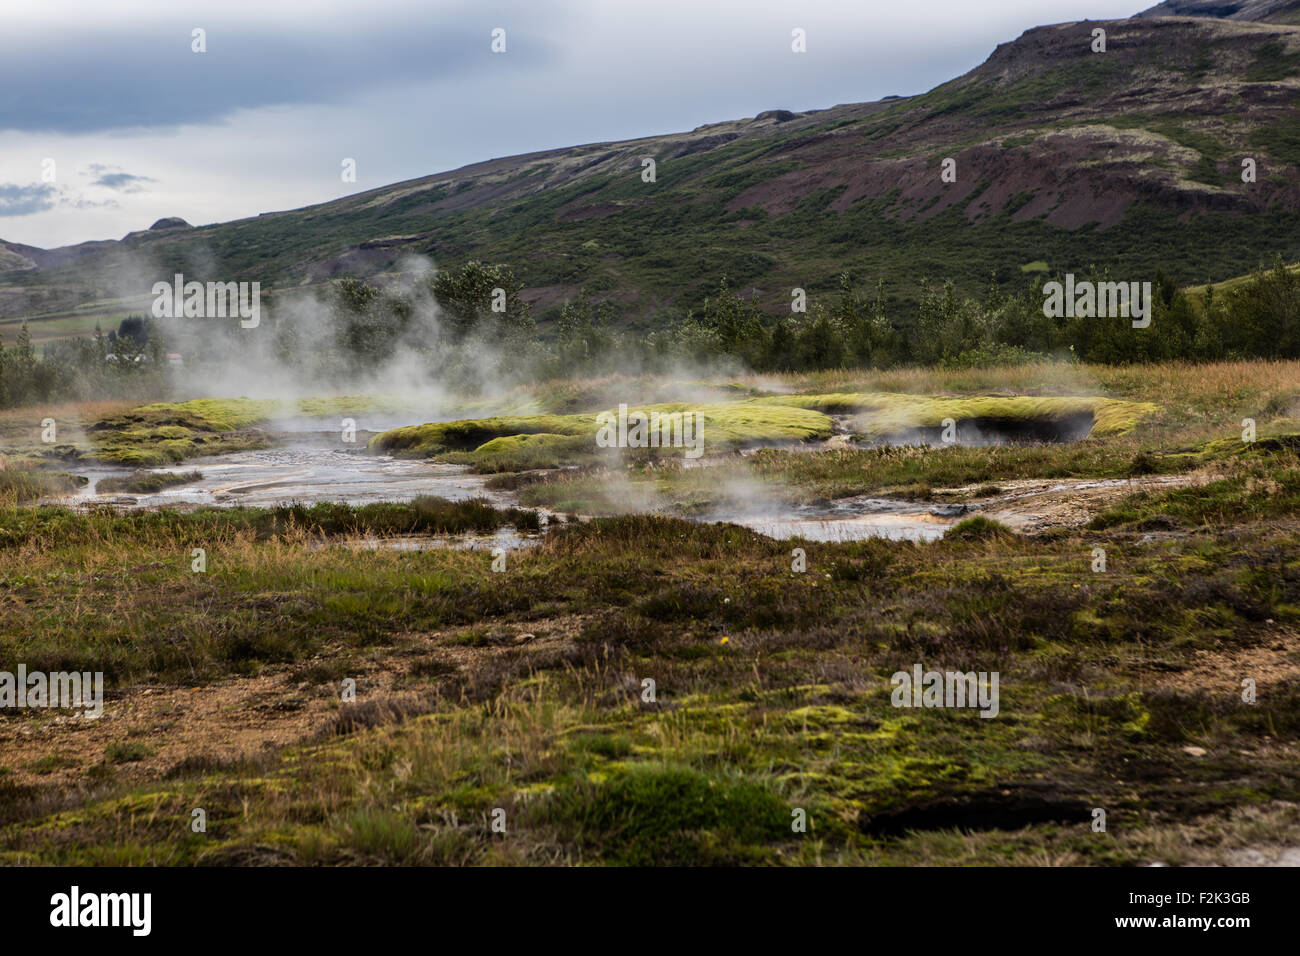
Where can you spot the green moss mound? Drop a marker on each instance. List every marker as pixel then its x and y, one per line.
pixel 427 441
pixel 167 432
pixel 884 413
pixel 524 452
pixel 724 426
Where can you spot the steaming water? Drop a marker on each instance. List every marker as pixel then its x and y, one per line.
pixel 306 472
pixel 310 467
pixel 849 519
pixel 901 527
pixel 507 538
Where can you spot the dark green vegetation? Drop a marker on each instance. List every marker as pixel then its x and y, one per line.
pixel 130 366
pixel 475 347
pixel 144 482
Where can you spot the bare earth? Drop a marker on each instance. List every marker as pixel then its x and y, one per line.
pixel 1034 505
pixel 241 718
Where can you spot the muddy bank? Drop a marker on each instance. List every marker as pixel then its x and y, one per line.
pixel 506 538
pixel 846 519
pixel 1034 505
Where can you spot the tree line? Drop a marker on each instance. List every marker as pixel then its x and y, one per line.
pixel 127 362
pixel 1258 317
pixel 470 326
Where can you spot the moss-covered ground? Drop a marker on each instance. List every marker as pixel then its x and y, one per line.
pixel 643 689
pixel 772 692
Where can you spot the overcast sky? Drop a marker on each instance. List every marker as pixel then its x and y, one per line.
pixel 139 126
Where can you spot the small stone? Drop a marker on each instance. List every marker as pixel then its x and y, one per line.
pixel 1195 751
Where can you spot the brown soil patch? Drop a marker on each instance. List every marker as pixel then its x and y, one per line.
pixel 1035 505
pixel 247 717
pixel 1221 670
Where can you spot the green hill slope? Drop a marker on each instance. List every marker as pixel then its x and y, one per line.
pixel 1129 159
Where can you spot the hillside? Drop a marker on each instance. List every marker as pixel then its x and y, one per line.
pixel 1261 11
pixel 1129 159
pixel 1197 293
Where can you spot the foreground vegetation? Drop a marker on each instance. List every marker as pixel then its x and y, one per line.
pixel 772 692
pixel 145 482
pixel 523 690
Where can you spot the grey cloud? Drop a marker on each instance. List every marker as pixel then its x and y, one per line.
pixel 18 200
pixel 80 203
pixel 146 76
pixel 122 182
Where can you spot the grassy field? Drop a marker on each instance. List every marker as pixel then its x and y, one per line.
pixel 1197 293
pixel 45 329
pixel 520 696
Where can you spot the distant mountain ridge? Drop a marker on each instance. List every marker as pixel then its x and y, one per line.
pixel 1260 11
pixel 1130 159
